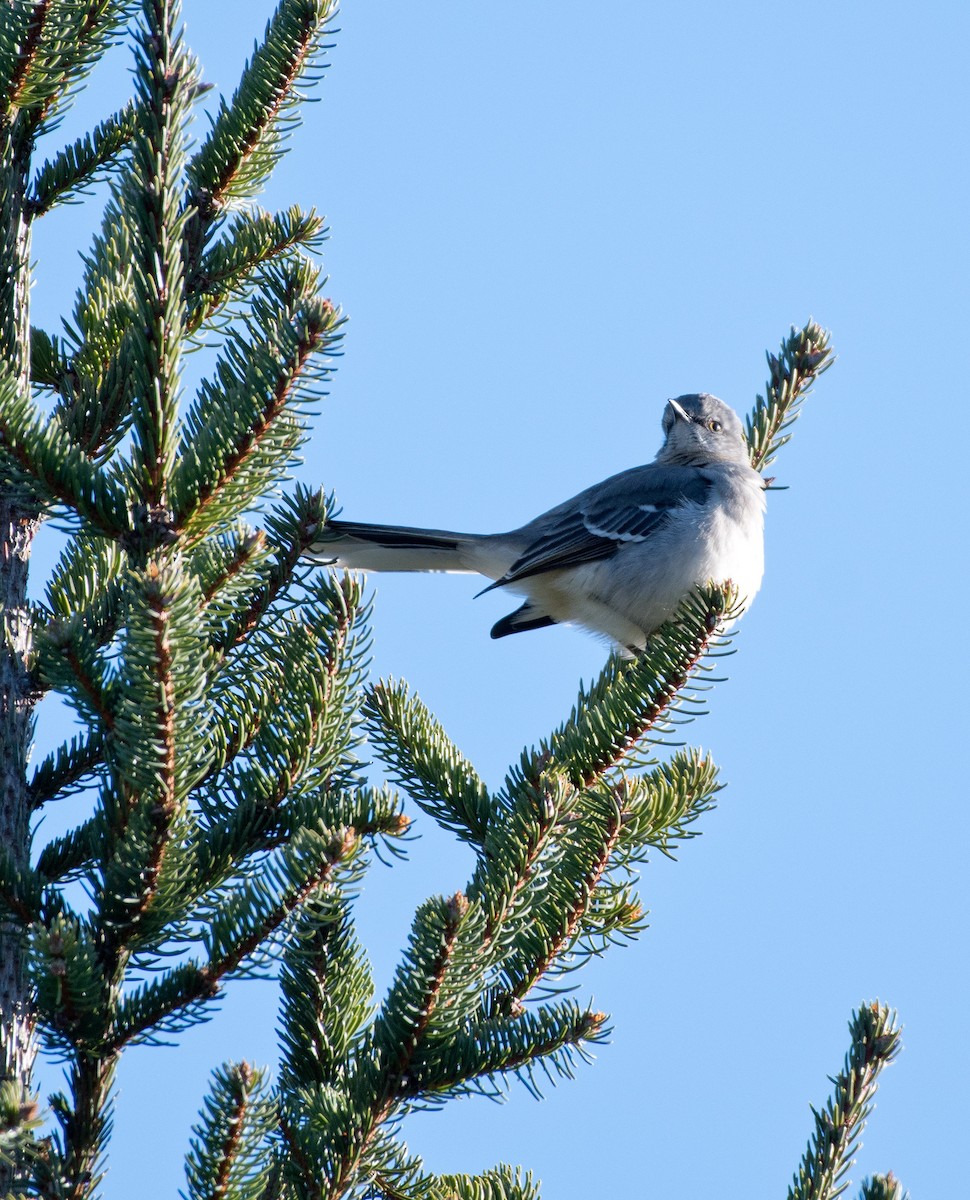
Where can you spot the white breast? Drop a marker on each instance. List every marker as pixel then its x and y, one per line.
pixel 628 596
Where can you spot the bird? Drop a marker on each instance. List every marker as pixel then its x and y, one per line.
pixel 618 558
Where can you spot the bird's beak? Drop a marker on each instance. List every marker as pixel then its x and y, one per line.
pixel 679 411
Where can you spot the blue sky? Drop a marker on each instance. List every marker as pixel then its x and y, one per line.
pixel 544 222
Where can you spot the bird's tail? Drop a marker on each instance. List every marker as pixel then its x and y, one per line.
pixel 356 545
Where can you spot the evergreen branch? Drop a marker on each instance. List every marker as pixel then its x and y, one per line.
pixel 251 917
pixel 172 1002
pixel 230 568
pixel 295 749
pixel 335 623
pixel 392 1173
pixel 243 696
pixel 164 81
pixel 225 563
pixel 27 50
pixel 249 828
pixel 95 379
pixel 805 354
pixel 410 1006
pixel 308 1168
pixel 437 989
pixel 389 1171
pixel 47 465
pixel 246 138
pixel 85 1128
pixel 80 166
pixel 569 904
pixel 72 995
pixel 159 608
pixel 313 656
pixel 333 1146
pixel 875 1042
pixel 136 856
pixel 425 762
pixel 68 662
pixel 63 769
pixel 237 923
pixel 384 1157
pixel 632 698
pixel 405 1017
pixel 571 908
pixel 49 366
pixel 573 905
pixel 18 1128
pixel 550 887
pixel 252 241
pixel 503 1046
pixel 160 745
pixel 94 695
pixel 291 750
pixel 520 844
pixel 96 404
pixel 327 989
pixel 244 142
pixel 243 429
pixel 86 590
pixel 228 1158
pixel 58 43
pixel 883 1187
pixel 66 856
pixel 658 808
pixel 21 889
pixel 293 526
pixel 498 1183
pixel 161 740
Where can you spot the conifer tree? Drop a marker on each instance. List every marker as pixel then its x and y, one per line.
pixel 222 690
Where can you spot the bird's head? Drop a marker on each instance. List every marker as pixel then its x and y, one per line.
pixel 701 429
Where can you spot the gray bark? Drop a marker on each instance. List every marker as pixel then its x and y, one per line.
pixel 17 528
pixel 16 727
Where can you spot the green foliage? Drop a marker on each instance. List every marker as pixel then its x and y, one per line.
pixel 47 47
pixel 634 703
pixel 71 989
pixel 221 691
pixel 218 691
pixel 501 1183
pixel 874 1043
pixel 424 761
pixel 48 468
pixel 882 1187
pixel 228 1156
pixel 250 240
pixel 89 369
pixel 151 206
pixel 246 138
pixel 327 989
pixel 240 437
pixel 804 355
pixel 66 769
pixel 80 165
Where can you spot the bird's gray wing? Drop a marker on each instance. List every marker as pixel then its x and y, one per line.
pixel 630 507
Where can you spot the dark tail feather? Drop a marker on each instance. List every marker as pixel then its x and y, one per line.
pixel 521 621
pixel 355 545
pixel 397 536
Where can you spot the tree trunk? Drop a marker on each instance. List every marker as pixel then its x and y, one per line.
pixel 17 528
pixel 16 725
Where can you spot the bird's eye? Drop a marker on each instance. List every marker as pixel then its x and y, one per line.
pixel 714 426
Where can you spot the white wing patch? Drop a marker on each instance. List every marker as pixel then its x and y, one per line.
pixel 633 523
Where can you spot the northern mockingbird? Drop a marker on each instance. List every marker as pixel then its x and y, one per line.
pixel 618 558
